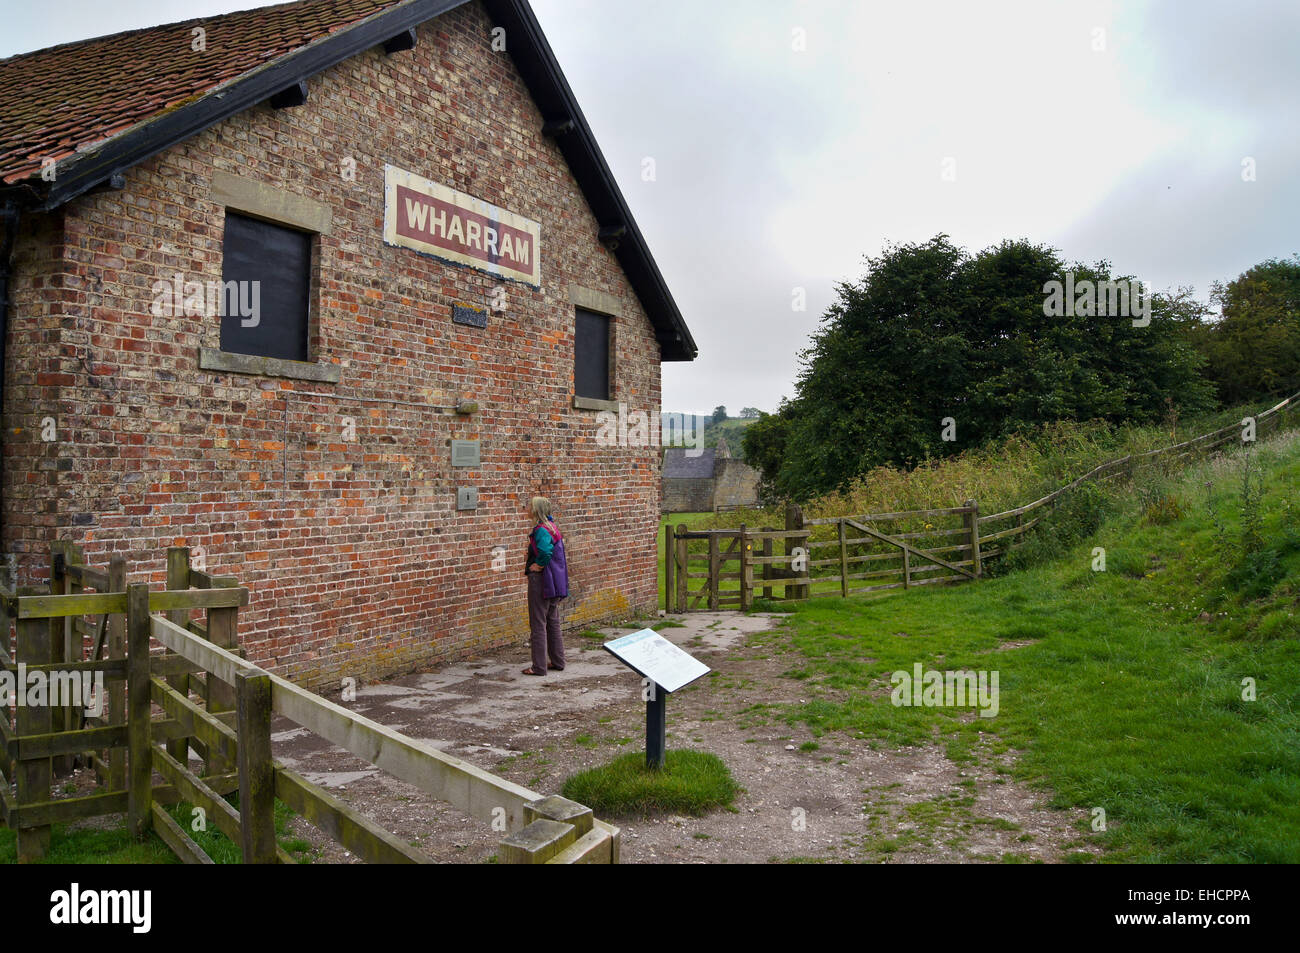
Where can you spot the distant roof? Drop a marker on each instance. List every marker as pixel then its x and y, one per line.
pixel 678 466
pixel 97 107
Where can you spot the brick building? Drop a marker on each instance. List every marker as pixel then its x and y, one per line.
pixel 259 271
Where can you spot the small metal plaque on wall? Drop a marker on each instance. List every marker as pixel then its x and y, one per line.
pixel 464 453
pixel 468 314
pixel 466 497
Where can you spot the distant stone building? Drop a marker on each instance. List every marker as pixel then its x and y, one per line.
pixel 708 481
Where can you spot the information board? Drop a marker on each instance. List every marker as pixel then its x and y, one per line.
pixel 653 656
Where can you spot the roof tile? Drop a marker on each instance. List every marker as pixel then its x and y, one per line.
pixel 79 94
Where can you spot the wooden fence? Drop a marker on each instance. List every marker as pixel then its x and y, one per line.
pixel 829 556
pixel 210 699
pixel 723 568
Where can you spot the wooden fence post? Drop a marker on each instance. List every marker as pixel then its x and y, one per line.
pixel 61 647
pixel 138 697
pixel 907 570
pixel 222 632
pixel 256 772
pixel 794 521
pixel 715 581
pixel 670 559
pixel 683 568
pixel 117 688
pixel 178 577
pixel 746 572
pixel 34 775
pixel 767 566
pixel 972 520
pixel 844 563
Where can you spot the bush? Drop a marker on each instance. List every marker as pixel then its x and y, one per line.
pixel 1077 515
pixel 1258 552
pixel 1165 509
pixel 1256 573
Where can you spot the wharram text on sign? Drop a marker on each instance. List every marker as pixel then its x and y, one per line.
pixel 432 218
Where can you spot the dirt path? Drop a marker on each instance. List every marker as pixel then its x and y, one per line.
pixel 829 799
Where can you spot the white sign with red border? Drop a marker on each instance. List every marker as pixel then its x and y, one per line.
pixel 431 218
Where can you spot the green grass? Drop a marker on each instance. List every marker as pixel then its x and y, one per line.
pixel 116 846
pixel 691 782
pixel 1128 699
pixel 89 846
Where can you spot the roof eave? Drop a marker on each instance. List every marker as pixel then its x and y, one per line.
pixel 129 147
pixel 541 70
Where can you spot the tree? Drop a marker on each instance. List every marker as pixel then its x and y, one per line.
pixel 936 350
pixel 750 413
pixel 719 414
pixel 1253 351
pixel 763 443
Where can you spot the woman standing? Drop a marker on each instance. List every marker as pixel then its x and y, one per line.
pixel 548 583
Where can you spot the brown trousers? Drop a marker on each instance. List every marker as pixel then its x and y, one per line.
pixel 544 621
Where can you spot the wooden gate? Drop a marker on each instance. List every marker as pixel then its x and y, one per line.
pixel 727 563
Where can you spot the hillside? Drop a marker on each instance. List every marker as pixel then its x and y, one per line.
pixel 733 428
pixel 1160 693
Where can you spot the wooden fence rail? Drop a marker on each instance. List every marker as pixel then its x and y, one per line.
pixel 213 701
pixel 897 550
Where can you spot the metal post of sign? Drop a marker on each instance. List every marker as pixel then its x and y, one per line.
pixel 656 727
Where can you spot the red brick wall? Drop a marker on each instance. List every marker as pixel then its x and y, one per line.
pixel 357 561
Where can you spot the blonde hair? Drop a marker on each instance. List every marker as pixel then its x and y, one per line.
pixel 540 507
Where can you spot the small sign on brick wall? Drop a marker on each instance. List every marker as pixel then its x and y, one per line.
pixel 464 453
pixel 469 314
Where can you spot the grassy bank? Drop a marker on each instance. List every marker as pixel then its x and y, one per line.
pixel 1000 476
pixel 1164 690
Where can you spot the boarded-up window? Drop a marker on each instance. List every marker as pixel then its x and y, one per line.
pixel 591 355
pixel 266 271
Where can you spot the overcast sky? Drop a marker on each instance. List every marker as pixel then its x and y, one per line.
pixel 790 138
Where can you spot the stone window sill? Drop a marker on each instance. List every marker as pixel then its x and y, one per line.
pixel 214 359
pixel 595 403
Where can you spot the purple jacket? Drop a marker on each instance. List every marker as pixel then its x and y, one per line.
pixel 550 556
